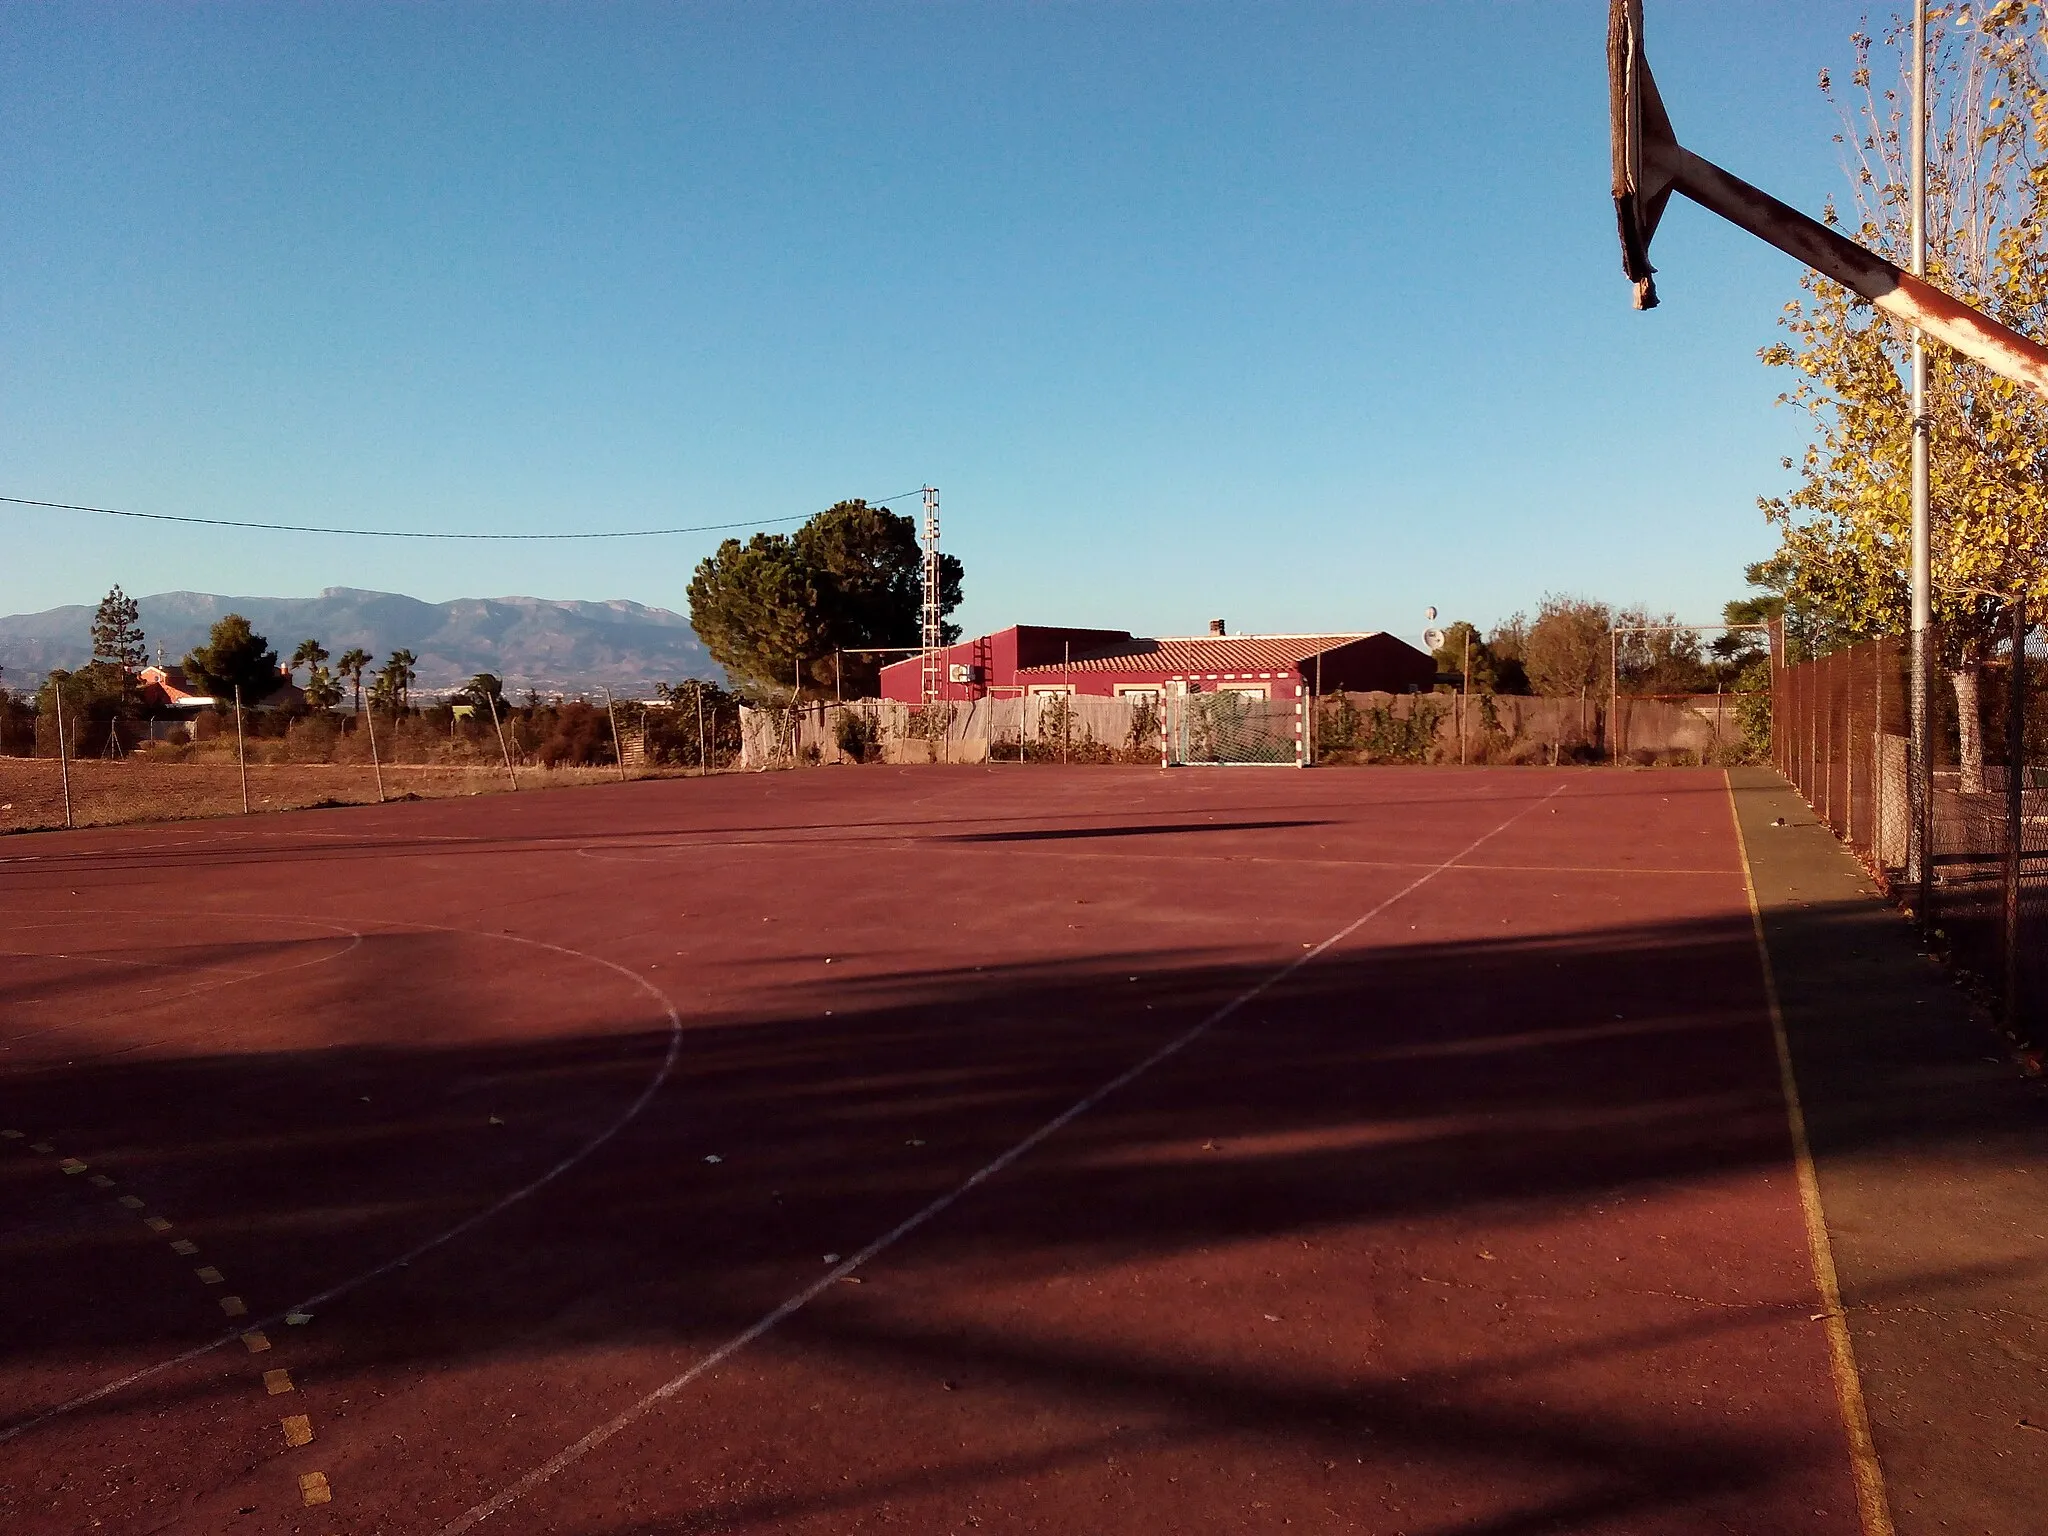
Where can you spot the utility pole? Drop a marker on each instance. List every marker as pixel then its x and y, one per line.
pixel 933 628
pixel 1920 774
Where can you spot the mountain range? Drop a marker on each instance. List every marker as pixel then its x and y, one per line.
pixel 551 645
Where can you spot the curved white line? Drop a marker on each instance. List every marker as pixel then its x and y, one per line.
pixel 508 1496
pixel 505 1203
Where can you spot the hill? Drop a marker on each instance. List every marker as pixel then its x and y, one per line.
pixel 551 645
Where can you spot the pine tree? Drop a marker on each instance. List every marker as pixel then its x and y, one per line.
pixel 118 651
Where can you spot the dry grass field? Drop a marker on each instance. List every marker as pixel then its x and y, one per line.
pixel 138 789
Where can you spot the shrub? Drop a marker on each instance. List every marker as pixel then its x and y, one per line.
pixel 859 735
pixel 576 736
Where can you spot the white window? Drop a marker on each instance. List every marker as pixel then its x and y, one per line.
pixel 1048 690
pixel 1245 690
pixel 1138 693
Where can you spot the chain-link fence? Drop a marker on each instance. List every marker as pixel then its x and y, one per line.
pixel 1841 732
pixel 83 771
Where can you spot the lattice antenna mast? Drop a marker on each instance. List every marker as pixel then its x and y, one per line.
pixel 933 636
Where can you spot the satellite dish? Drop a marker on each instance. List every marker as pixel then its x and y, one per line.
pixel 1433 639
pixel 1430 612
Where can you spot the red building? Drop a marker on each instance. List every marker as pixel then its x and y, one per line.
pixel 1113 663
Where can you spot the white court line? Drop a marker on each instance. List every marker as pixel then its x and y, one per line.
pixel 511 1495
pixel 503 1204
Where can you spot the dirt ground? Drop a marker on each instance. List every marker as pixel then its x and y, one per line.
pixel 138 790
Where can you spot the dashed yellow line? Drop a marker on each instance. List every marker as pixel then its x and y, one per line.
pixel 297 1428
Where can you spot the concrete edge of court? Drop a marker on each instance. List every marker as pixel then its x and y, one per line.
pixel 1932 1158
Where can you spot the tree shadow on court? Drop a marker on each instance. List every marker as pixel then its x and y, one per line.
pixel 1440 1219
pixel 572 819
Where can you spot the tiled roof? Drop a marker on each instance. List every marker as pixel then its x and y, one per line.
pixel 1203 654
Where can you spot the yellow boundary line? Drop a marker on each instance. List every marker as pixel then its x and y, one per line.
pixel 1868 1475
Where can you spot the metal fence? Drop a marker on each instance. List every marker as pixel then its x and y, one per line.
pixel 77 772
pixel 1841 733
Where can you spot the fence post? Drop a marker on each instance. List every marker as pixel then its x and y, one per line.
pixel 703 762
pixel 503 751
pixel 1827 751
pixel 376 767
pixel 241 752
pixel 63 762
pixel 1848 752
pixel 1613 697
pixel 2015 817
pixel 618 746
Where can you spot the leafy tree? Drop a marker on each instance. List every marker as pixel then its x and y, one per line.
pixel 234 656
pixel 1844 532
pixel 1665 660
pixel 670 730
pixel 118 650
pixel 1735 649
pixel 1452 655
pixel 351 666
pixel 1566 649
pixel 92 703
pixel 487 689
pixel 1509 645
pixel 797 613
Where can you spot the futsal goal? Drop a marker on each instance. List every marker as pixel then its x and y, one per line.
pixel 1227 729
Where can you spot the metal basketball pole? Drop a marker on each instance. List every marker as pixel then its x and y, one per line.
pixel 1920 781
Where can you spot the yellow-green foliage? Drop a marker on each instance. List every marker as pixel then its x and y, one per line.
pixel 1845 530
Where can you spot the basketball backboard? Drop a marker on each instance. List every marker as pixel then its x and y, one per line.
pixel 1640 134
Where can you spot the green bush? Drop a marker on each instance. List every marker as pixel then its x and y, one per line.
pixel 859 735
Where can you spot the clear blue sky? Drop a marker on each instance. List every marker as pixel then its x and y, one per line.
pixel 1307 315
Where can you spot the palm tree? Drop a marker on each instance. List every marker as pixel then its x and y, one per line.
pixel 398 677
pixel 351 667
pixel 309 655
pixel 322 692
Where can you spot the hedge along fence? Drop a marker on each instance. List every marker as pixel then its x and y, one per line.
pixel 1349 728
pixel 1042 728
pixel 1511 728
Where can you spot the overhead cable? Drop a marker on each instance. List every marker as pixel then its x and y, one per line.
pixel 413 533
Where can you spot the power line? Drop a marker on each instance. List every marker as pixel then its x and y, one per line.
pixel 399 533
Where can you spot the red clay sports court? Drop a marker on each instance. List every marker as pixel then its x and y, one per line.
pixel 926 1149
